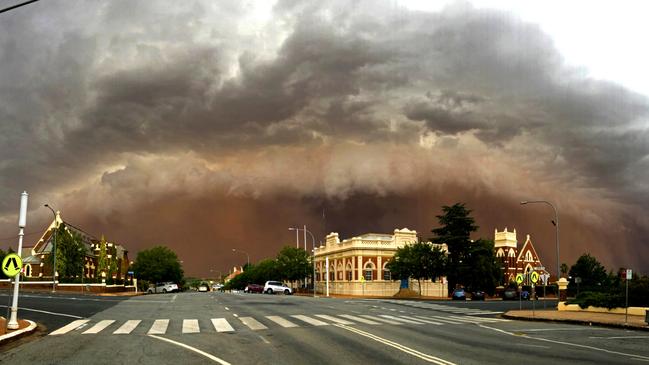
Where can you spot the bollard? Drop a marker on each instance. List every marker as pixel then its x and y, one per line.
pixel 646 316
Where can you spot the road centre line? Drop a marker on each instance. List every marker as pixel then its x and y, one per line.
pixel 633 356
pixel 408 350
pixel 209 356
pixel 46 312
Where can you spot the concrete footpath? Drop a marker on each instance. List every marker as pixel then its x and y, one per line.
pixel 585 318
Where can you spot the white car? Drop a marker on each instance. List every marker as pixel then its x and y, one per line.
pixel 203 288
pixel 272 287
pixel 167 287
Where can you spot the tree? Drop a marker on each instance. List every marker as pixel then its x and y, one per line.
pixel 420 260
pixel 480 269
pixel 70 252
pixel 564 269
pixel 593 275
pixel 158 264
pixel 293 263
pixel 456 226
pixel 264 271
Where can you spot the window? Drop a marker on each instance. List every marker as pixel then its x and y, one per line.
pixel 28 270
pixel 387 275
pixel 528 256
pixel 368 274
pixel 349 275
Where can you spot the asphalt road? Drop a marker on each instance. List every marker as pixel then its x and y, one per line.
pixel 199 328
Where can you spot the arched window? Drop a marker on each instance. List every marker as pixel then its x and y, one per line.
pixel 368 271
pixel 528 256
pixel 28 270
pixel 500 253
pixel 332 273
pixel 350 272
pixel 339 271
pixel 387 275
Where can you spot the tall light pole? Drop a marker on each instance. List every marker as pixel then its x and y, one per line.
pixel 56 228
pixel 556 224
pixel 12 323
pixel 313 254
pixel 242 251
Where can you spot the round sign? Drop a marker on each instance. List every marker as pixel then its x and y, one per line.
pixel 11 265
pixel 534 277
pixel 519 278
pixel 362 279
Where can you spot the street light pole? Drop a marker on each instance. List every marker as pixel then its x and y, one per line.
pixel 556 224
pixel 242 251
pixel 313 254
pixel 56 228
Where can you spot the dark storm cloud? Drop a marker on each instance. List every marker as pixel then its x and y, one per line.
pixel 124 103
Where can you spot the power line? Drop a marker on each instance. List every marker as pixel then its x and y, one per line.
pixel 18 5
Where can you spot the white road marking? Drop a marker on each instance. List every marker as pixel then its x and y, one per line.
pixel 127 327
pixel 209 356
pixel 236 315
pixel 159 327
pixel 632 356
pixel 101 325
pixel 69 327
pixel 222 325
pixel 46 312
pixel 173 299
pixel 227 309
pixel 309 320
pixel 480 319
pixel 252 323
pixel 191 326
pixel 426 321
pixel 264 339
pixel 358 319
pixel 333 319
pixel 441 319
pixel 411 321
pixel 282 322
pixel 384 320
pixel 398 346
pixel 458 319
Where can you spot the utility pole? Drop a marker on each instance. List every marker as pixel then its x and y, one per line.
pixel 22 221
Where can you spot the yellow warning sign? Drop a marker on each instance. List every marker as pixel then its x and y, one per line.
pixel 11 265
pixel 519 278
pixel 362 279
pixel 534 277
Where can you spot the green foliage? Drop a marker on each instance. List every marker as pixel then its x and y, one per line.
pixel 456 226
pixel 158 264
pixel 592 273
pixel 598 299
pixel 420 260
pixel 70 252
pixel 293 264
pixel 480 269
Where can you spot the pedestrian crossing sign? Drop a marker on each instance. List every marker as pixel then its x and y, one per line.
pixel 362 279
pixel 519 278
pixel 534 277
pixel 11 265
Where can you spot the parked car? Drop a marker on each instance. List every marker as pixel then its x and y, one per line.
pixel 272 287
pixel 510 294
pixel 217 286
pixel 458 294
pixel 203 287
pixel 477 295
pixel 253 288
pixel 166 287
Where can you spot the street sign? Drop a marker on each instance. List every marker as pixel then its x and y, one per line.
pixel 534 277
pixel 539 268
pixel 519 279
pixel 629 274
pixel 362 279
pixel 11 265
pixel 544 278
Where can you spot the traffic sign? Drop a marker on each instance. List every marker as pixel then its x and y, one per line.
pixel 629 274
pixel 11 265
pixel 519 279
pixel 539 268
pixel 362 279
pixel 534 277
pixel 544 278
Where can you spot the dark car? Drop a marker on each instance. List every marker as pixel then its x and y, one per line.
pixel 477 295
pixel 253 288
pixel 510 294
pixel 458 294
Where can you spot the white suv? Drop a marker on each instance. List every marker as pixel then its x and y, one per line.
pixel 272 287
pixel 167 287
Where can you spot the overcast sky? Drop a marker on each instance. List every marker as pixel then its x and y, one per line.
pixel 207 126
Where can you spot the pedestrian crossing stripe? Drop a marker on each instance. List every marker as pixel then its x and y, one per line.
pixel 192 326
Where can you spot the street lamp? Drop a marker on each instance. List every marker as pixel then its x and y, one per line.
pixel 313 255
pixel 56 228
pixel 556 224
pixel 242 251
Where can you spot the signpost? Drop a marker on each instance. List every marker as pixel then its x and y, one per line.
pixel 519 281
pixel 14 263
pixel 544 279
pixel 629 276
